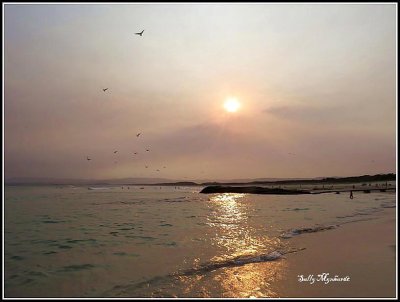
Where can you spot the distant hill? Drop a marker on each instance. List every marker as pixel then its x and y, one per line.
pixel 351 179
pixel 164 181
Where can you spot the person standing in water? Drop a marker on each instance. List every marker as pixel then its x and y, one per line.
pixel 351 194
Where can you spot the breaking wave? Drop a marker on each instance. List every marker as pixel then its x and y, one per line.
pixel 207 267
pixel 295 232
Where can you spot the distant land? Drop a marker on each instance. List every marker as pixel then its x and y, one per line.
pixel 130 180
pixel 319 180
pixel 169 182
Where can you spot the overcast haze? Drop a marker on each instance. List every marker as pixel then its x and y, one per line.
pixel 316 84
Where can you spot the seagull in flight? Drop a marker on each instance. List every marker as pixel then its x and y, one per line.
pixel 87 157
pixel 105 89
pixel 140 34
pixel 147 150
pixel 137 135
pixel 115 151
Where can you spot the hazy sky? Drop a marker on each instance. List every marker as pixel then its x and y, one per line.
pixel 316 83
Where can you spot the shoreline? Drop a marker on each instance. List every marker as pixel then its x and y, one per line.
pixel 363 251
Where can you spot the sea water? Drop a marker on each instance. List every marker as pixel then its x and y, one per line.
pixel 151 241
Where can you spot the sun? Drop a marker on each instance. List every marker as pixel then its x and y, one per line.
pixel 232 105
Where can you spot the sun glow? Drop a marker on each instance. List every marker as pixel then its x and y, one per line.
pixel 231 105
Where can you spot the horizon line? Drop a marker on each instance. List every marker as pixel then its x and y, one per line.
pixel 160 180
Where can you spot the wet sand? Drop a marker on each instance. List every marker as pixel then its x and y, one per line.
pixel 364 250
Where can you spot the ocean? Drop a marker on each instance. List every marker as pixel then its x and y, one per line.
pixel 151 241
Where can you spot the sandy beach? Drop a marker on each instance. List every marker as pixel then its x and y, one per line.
pixel 365 251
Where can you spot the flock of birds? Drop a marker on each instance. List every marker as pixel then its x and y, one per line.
pixel 138 134
pixel 135 153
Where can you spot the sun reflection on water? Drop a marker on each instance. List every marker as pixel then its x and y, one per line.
pixel 229 219
pixel 235 236
pixel 231 234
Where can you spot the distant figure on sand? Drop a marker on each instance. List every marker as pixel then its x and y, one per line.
pixel 351 194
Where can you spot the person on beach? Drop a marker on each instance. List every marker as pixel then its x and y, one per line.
pixel 351 194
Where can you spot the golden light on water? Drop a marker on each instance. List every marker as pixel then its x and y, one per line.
pixel 231 105
pixel 234 236
pixel 229 219
pixel 248 281
pixel 251 281
pixel 233 232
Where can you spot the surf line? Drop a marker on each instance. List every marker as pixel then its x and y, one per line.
pixel 211 266
pixel 237 261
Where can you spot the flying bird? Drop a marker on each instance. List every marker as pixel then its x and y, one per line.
pixel 137 135
pixel 105 89
pixel 147 150
pixel 134 152
pixel 158 170
pixel 87 157
pixel 140 34
pixel 116 151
